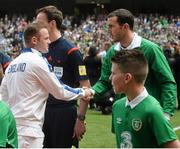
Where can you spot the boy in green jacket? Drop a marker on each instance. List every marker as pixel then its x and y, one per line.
pixel 138 119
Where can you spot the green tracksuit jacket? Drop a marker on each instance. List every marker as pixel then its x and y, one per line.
pixel 160 82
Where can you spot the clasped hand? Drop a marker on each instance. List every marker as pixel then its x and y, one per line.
pixel 88 94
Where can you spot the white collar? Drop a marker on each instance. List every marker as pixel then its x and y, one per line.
pixel 36 51
pixel 0 97
pixel 136 42
pixel 138 99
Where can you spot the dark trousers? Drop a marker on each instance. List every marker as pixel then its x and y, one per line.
pixel 59 126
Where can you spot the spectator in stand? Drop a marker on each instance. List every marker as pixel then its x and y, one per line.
pixel 93 66
pixel 1 73
pixel 169 54
pixel 149 26
pixel 4 62
pixel 176 69
pixel 102 53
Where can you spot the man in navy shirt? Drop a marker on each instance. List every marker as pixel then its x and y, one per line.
pixel 62 123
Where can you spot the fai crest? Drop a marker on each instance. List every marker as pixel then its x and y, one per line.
pixel 136 124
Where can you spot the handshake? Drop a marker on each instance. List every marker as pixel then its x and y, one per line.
pixel 88 94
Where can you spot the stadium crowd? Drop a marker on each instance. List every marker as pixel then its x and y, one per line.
pixel 92 31
pixel 91 35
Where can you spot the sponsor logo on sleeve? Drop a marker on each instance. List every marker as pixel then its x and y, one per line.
pixel 82 70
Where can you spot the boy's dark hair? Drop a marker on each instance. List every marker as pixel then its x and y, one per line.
pixel 52 14
pixel 123 16
pixel 132 61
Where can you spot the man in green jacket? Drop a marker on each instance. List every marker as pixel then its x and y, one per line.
pixel 160 82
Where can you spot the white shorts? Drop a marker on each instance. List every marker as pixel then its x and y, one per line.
pixel 29 142
pixel 30 137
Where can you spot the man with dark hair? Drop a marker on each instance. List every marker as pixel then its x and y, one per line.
pixel 62 125
pixel 138 119
pixel 160 82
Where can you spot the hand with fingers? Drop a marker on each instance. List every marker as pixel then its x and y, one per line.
pixel 80 127
pixel 88 94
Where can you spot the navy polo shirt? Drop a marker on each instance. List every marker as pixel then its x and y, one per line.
pixel 67 63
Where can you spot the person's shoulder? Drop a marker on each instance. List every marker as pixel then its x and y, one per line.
pixel 119 102
pixel 148 43
pixel 32 59
pixel 110 53
pixel 28 56
pixel 150 49
pixel 152 99
pixel 111 49
pixel 64 45
pixel 151 104
pixel 67 43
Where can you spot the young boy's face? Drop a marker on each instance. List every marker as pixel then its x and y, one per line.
pixel 117 79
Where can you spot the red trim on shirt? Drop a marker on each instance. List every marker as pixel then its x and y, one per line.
pixel 72 49
pixel 49 58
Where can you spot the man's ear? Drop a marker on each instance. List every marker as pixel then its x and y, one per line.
pixel 126 26
pixel 52 23
pixel 128 77
pixel 34 40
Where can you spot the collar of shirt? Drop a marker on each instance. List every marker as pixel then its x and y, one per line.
pixel 138 99
pixel 37 52
pixel 40 54
pixel 0 97
pixel 136 42
pixel 24 50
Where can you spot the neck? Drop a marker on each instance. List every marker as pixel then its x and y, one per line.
pixel 134 91
pixel 127 40
pixel 54 35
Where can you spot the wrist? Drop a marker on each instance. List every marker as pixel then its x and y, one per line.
pixel 81 117
pixel 83 92
pixel 92 91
